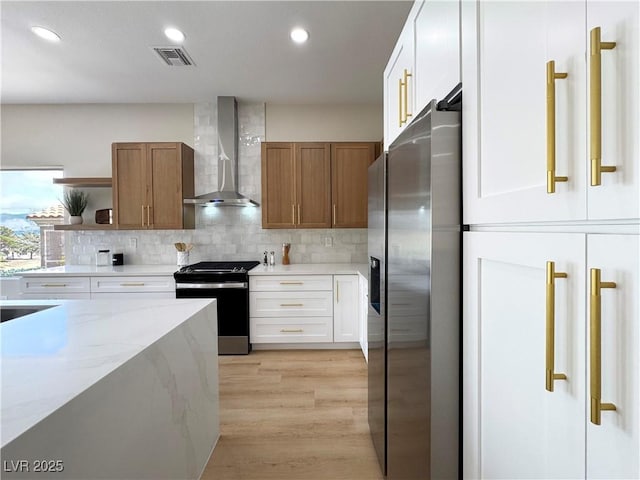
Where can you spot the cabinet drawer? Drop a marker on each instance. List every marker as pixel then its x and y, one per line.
pixel 291 330
pixel 131 295
pixel 291 304
pixel 51 285
pixel 132 284
pixel 282 283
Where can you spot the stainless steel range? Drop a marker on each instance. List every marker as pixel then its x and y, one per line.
pixel 228 282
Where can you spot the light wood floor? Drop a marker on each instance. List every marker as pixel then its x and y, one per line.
pixel 294 414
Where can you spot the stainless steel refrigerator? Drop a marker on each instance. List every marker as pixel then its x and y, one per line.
pixel 414 290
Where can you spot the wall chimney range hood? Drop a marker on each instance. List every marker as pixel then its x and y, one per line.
pixel 227 194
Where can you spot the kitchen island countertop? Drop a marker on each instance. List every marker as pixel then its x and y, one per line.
pixel 84 375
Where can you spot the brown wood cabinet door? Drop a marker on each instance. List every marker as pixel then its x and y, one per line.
pixel 278 189
pixel 129 185
pixel 165 206
pixel 313 185
pixel 349 179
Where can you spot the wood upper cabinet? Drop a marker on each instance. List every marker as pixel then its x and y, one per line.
pixel 315 185
pixel 349 193
pixel 150 182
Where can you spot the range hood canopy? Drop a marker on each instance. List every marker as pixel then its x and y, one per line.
pixel 227 194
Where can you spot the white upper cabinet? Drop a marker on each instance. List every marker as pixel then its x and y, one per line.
pixel 618 196
pixel 425 63
pixel 398 86
pixel 437 50
pixel 528 134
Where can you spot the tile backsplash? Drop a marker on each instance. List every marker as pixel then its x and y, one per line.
pixel 223 233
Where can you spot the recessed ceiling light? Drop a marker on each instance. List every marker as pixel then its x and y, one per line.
pixel 174 34
pixel 299 35
pixel 46 34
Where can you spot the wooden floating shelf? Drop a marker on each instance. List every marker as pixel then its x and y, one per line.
pixel 86 226
pixel 84 181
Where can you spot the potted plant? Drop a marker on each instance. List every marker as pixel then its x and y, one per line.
pixel 75 201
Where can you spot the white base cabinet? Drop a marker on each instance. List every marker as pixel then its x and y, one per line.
pixel 289 309
pixel 55 288
pixel 522 327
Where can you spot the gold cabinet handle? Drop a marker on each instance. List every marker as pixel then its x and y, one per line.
pixel 132 284
pixel 291 330
pixel 400 110
pixel 298 214
pixel 337 292
pixel 293 213
pixel 148 220
pixel 142 215
pixel 552 76
pixel 292 305
pixel 595 111
pixel 551 375
pixel 595 370
pixel 54 285
pixel 334 214
pixel 291 283
pixel 406 95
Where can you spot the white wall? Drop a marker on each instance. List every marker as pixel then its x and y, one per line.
pixel 78 137
pixel 323 123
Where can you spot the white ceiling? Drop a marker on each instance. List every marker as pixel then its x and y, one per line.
pixel 240 48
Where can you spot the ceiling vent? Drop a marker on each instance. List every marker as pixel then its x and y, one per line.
pixel 174 56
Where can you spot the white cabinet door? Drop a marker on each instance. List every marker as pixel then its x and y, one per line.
pixel 362 313
pixel 399 86
pixel 513 427
pixel 619 194
pixel 437 50
pixel 613 446
pixel 505 50
pixel 346 318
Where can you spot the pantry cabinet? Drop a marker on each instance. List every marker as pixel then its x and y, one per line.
pixel 150 182
pixel 531 364
pixel 315 185
pixel 346 318
pixel 542 109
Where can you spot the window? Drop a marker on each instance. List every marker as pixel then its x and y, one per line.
pixel 29 208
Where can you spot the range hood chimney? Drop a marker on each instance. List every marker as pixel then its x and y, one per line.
pixel 227 194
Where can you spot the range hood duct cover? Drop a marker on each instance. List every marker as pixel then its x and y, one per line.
pixel 227 194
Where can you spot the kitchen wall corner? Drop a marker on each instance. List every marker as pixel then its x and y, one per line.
pixel 223 233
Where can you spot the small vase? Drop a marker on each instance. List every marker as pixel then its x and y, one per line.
pixel 285 253
pixel 75 219
pixel 183 259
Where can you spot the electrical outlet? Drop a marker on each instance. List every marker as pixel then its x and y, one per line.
pixel 328 241
pixel 133 243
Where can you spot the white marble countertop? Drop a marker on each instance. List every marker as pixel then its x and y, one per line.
pixel 312 269
pixel 109 271
pixel 52 356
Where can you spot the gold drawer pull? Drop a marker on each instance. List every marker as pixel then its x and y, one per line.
pixel 132 284
pixel 552 76
pixel 551 326
pixel 54 284
pixel 595 102
pixel 595 320
pixel 291 330
pixel 291 283
pixel 292 305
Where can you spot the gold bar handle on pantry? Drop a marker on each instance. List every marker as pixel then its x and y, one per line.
pixel 595 362
pixel 550 374
pixel 595 103
pixel 552 76
pixel 407 114
pixel 400 109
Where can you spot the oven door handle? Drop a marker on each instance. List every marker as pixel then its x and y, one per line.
pixel 187 286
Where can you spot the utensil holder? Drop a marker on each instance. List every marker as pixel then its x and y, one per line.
pixel 183 259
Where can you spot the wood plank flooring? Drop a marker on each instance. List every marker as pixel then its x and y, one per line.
pixel 294 414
